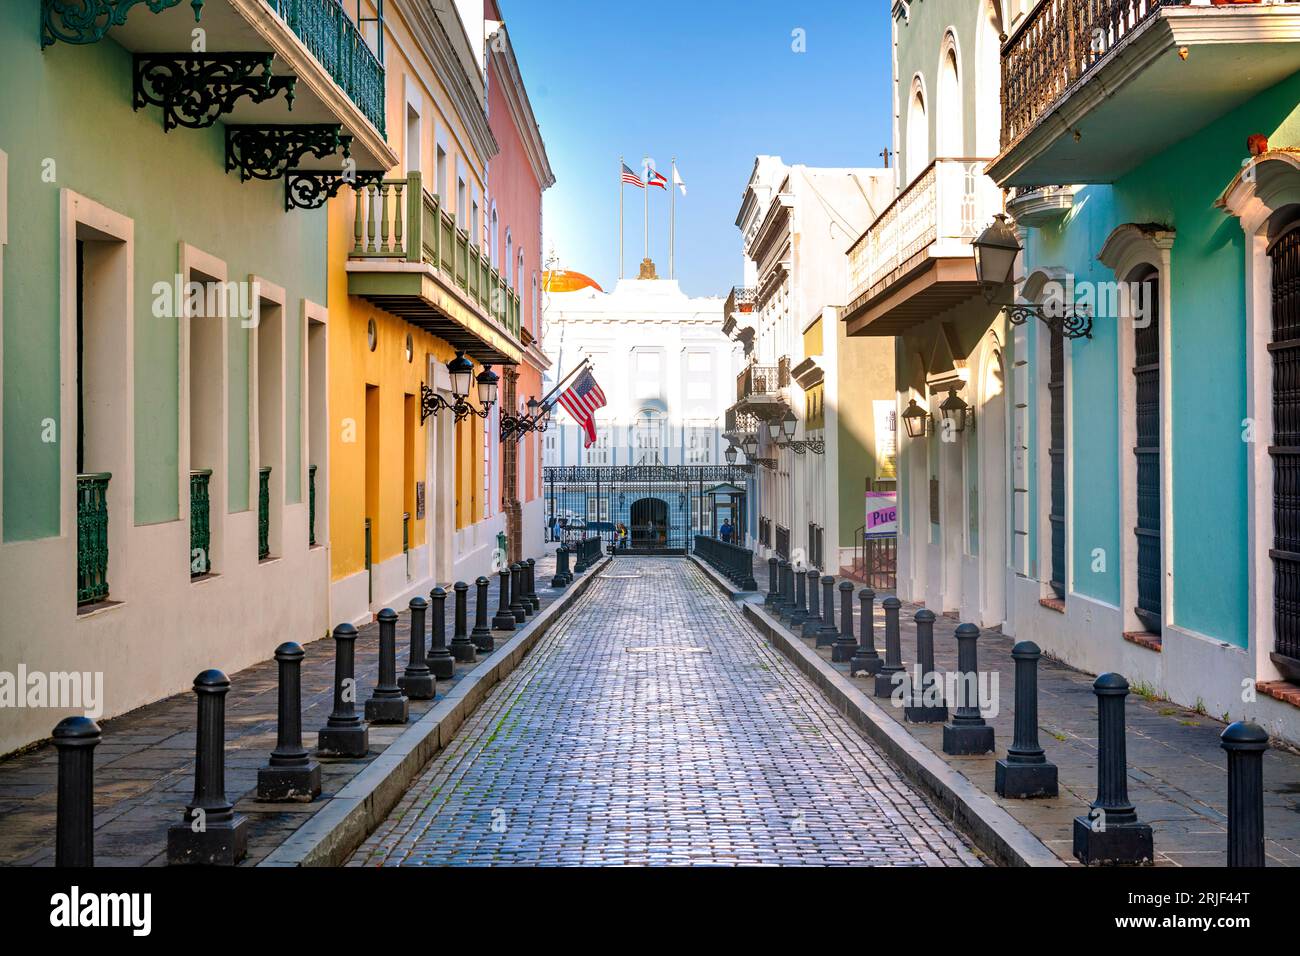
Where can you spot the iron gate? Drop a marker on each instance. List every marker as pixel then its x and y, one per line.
pixel 662 506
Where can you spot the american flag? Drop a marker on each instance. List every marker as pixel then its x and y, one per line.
pixel 581 399
pixel 656 178
pixel 631 177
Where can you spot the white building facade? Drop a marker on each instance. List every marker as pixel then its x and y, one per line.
pixel 666 370
pixel 797 223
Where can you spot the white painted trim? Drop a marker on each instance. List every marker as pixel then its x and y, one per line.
pixel 1265 185
pixel 1126 249
pixel 267 292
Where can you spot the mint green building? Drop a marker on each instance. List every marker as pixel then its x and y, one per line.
pixel 163 324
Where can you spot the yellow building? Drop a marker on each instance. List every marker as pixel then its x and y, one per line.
pixel 414 502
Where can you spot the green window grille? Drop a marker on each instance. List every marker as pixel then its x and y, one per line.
pixel 92 537
pixel 264 512
pixel 200 523
pixel 311 506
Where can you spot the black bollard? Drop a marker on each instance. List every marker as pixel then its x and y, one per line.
pixel 462 648
pixel 345 734
pixel 518 606
pixel 827 632
pixel 1245 744
pixel 1025 771
pixel 813 622
pixel 504 619
pixel 212 833
pixel 75 738
pixel 773 586
pixel 387 703
pixel 926 704
pixel 844 646
pixel 580 564
pixel 290 775
pixel 1110 832
pixel 530 573
pixel 799 612
pixel 865 660
pixel 417 681
pixel 785 599
pixel 440 660
pixel 482 634
pixel 561 579
pixel 893 674
pixel 967 733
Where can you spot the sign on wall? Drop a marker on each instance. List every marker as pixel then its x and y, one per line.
pixel 882 514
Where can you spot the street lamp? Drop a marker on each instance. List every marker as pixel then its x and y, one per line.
pixel 461 372
pixel 996 249
pixel 730 454
pixel 955 411
pixel 914 419
pixel 750 446
pixel 788 425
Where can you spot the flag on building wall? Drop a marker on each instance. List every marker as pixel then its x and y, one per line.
pixel 581 399
pixel 631 178
pixel 656 178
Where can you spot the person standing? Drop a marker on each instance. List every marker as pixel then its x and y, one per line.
pixel 725 531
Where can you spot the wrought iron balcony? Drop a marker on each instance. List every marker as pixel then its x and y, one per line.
pixel 741 299
pixel 200 523
pixel 334 40
pixel 409 258
pixel 916 259
pixel 92 537
pixel 1095 65
pixel 762 380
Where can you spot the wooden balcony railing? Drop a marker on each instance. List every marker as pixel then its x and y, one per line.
pixel 92 537
pixel 946 205
pixel 399 219
pixel 1057 43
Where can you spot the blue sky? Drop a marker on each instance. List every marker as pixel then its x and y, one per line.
pixel 714 82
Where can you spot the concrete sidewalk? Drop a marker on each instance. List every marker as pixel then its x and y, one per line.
pixel 1177 771
pixel 144 765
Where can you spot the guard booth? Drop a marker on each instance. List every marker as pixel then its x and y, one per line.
pixel 726 503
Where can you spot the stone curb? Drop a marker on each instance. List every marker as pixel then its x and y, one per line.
pixel 339 827
pixel 993 830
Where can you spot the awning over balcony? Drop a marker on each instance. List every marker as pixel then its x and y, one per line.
pixel 1074 113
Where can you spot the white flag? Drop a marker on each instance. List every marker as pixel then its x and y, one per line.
pixel 677 180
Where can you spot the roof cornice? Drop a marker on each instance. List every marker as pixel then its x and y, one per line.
pixel 521 108
pixel 453 65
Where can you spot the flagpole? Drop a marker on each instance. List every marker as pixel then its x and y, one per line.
pixel 646 173
pixel 672 222
pixel 621 164
pixel 586 359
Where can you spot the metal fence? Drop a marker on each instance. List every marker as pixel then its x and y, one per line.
pixel 662 506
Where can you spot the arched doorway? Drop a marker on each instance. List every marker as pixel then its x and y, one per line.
pixel 649 517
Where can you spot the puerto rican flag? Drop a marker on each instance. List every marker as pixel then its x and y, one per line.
pixel 654 178
pixel 581 399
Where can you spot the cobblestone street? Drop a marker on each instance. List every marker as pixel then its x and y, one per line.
pixel 653 725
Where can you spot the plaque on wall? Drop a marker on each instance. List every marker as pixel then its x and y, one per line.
pixel 419 500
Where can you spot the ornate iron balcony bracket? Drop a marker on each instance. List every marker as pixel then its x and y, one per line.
pixel 268 152
pixel 312 188
pixel 431 402
pixel 88 21
pixel 768 463
pixel 1073 322
pixel 815 445
pixel 194 91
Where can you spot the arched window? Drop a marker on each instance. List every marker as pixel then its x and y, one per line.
pixel 647 438
pixel 510 254
pixel 493 249
pixel 949 121
pixel 918 132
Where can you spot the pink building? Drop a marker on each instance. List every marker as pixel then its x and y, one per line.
pixel 517 177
